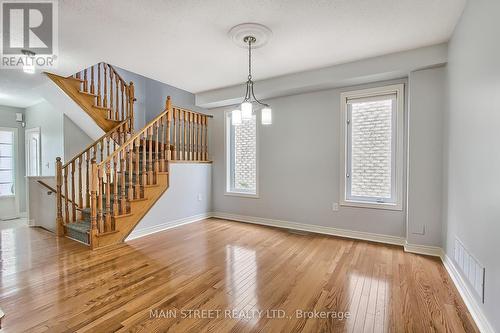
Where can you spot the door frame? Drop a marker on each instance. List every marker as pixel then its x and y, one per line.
pixel 26 149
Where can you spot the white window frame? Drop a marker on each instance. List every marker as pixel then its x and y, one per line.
pixel 227 159
pixel 397 181
pixel 14 163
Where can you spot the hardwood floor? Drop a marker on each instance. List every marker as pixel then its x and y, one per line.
pixel 235 270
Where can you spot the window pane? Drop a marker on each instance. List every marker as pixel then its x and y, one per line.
pixel 6 137
pixel 6 189
pixel 6 176
pixel 5 150
pixel 6 163
pixel 245 166
pixel 371 149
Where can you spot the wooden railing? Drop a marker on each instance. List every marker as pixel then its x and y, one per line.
pixel 175 134
pixel 113 93
pixel 72 178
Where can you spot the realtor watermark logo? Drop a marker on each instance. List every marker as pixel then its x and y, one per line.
pixel 29 31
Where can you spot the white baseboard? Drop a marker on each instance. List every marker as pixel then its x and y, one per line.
pixel 312 228
pixel 137 233
pixel 467 295
pixel 427 250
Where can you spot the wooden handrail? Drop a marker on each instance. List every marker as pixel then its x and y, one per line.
pixel 151 123
pixel 104 136
pixel 195 112
pixel 55 191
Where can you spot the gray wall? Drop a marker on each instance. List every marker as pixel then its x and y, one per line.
pixel 299 168
pixel 8 119
pixel 75 140
pixel 50 121
pixel 151 96
pixel 472 136
pixel 188 195
pixel 425 155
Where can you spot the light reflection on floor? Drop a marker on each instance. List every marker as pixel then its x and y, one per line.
pixel 241 280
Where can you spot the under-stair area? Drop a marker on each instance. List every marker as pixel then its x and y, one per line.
pixel 104 191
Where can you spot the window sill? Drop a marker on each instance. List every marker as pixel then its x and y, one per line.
pixel 10 196
pixel 242 195
pixel 372 205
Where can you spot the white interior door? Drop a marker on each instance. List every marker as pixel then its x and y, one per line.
pixel 33 151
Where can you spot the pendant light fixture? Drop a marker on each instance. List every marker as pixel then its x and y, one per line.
pixel 247 33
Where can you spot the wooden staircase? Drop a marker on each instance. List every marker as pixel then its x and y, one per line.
pixel 104 191
pixel 102 93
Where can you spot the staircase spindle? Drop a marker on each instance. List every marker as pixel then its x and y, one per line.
pixel 144 154
pixel 87 179
pixel 137 174
pixel 107 188
pixel 123 190
pixel 73 207
pixel 131 104
pixel 100 211
pixel 149 134
pixel 184 135
pixel 85 81
pixel 206 138
pixel 191 136
pixel 113 112
pixel 105 97
pixel 92 86
pixel 99 96
pixel 130 169
pixel 124 112
pixel 93 199
pixel 116 192
pixel 66 195
pixel 59 216
pixel 169 120
pixel 174 152
pixel 117 99
pixel 80 183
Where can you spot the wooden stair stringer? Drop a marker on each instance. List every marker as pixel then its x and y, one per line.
pixel 138 209
pixel 86 101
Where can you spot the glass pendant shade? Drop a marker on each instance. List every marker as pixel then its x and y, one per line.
pixel 267 116
pixel 236 117
pixel 246 110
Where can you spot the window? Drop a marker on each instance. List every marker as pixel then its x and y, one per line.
pixel 241 157
pixel 372 158
pixel 7 162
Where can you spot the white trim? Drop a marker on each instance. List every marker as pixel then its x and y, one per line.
pixel 137 233
pixel 397 89
pixel 427 250
pixel 467 296
pixel 395 240
pixel 26 150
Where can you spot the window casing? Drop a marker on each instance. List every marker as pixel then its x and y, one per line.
pixel 372 129
pixel 7 162
pixel 241 157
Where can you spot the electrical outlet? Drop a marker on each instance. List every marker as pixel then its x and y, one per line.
pixel 335 206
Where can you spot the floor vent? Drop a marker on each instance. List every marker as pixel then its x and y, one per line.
pixel 471 268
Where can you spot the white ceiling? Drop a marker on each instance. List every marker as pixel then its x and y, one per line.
pixel 184 42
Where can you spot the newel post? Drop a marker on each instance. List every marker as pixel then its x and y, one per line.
pixel 168 107
pixel 59 216
pixel 94 184
pixel 131 97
